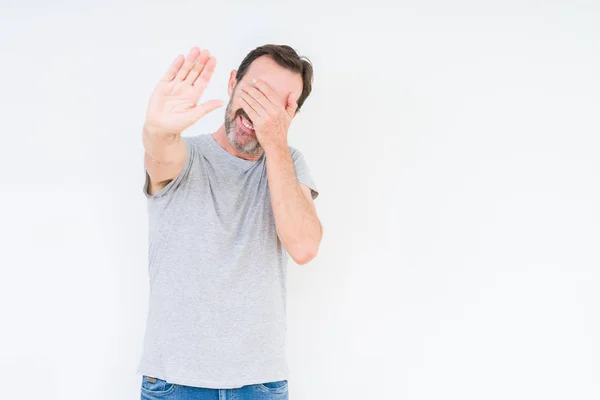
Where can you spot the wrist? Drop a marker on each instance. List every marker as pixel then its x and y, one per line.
pixel 275 148
pixel 155 132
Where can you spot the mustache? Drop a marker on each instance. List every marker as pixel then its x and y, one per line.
pixel 242 113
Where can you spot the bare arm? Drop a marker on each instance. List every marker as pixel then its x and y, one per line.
pixel 298 226
pixel 172 109
pixel 163 159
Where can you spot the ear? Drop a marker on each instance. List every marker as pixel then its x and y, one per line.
pixel 232 82
pixel 292 105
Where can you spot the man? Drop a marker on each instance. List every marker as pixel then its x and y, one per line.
pixel 225 210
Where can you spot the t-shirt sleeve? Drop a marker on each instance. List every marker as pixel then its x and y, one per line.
pixel 183 174
pixel 303 173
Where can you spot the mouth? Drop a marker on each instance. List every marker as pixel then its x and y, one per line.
pixel 246 124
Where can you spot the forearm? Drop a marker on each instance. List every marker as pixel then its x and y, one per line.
pixel 164 156
pixel 298 226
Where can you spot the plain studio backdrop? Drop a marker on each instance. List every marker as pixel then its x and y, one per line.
pixel 455 146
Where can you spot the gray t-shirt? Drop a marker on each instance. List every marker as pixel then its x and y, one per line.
pixel 217 271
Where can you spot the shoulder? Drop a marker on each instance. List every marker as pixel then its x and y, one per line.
pixel 197 144
pixel 298 158
pixel 303 171
pixel 296 154
pixel 193 140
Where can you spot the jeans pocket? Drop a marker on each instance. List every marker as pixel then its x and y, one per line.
pixel 156 386
pixel 274 387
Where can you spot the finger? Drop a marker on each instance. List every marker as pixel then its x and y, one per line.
pixel 198 66
pixel 257 95
pixel 292 104
pixel 206 74
pixel 260 110
pixel 254 116
pixel 266 90
pixel 175 65
pixel 188 64
pixel 202 109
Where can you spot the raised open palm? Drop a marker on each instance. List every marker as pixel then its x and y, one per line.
pixel 173 106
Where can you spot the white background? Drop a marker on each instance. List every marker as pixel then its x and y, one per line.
pixel 455 146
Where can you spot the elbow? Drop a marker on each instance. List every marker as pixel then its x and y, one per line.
pixel 303 255
pixel 307 250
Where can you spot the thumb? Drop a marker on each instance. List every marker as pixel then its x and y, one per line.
pixel 202 109
pixel 292 104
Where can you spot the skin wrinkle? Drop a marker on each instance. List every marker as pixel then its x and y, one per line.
pixel 253 147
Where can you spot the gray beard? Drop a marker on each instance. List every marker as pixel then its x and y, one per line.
pixel 251 147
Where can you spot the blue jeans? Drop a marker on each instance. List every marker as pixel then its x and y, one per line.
pixel 163 390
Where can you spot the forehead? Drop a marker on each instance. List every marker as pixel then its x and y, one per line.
pixel 281 79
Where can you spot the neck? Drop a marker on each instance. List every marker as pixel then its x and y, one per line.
pixel 220 137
